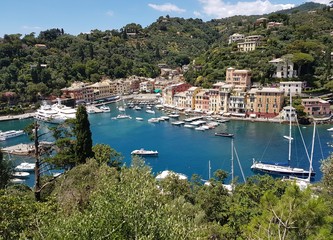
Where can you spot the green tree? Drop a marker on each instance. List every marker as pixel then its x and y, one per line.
pixel 5 171
pixel 83 145
pixel 17 215
pixel 104 154
pixel 296 215
pixel 301 59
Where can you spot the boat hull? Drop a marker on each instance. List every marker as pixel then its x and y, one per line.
pixel 277 170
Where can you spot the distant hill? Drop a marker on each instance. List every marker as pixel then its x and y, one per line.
pixel 308 6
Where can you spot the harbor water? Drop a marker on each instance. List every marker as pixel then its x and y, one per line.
pixel 188 151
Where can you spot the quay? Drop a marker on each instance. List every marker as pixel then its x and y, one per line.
pixel 19 149
pixel 17 117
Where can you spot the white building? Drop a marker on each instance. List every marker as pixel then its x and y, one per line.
pixel 284 68
pixel 250 43
pixel 295 88
pixel 235 38
pixel 147 86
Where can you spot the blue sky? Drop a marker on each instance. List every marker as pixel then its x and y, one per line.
pixel 77 16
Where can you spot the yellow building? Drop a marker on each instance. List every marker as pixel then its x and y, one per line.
pixel 190 97
pixel 101 89
pixel 264 102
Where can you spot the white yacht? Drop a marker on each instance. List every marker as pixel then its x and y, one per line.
pixel 105 108
pixel 10 134
pixel 56 113
pixel 25 167
pixel 123 116
pixel 150 111
pixel 142 152
pixel 21 174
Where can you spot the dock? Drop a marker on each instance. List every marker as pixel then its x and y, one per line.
pixel 19 149
pixel 17 117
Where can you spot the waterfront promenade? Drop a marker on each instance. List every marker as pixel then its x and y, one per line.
pixel 17 117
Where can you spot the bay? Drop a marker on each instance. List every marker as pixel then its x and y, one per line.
pixel 188 151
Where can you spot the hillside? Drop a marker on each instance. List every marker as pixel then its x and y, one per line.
pixel 36 66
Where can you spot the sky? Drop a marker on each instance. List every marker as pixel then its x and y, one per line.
pixel 82 16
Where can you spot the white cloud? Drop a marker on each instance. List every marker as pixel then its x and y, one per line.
pixel 222 9
pixel 31 28
pixel 167 7
pixel 197 14
pixel 109 13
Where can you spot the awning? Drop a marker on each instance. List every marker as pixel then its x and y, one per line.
pixel 238 114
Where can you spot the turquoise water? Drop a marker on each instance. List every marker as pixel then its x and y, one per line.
pixel 188 151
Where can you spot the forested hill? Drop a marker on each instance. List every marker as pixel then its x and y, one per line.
pixel 34 66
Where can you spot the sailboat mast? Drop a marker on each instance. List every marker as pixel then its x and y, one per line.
pixel 232 161
pixel 312 149
pixel 289 154
pixel 209 170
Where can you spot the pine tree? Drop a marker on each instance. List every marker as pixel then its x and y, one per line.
pixel 83 146
pixel 5 171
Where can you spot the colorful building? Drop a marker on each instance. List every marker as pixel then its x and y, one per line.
pixel 79 91
pixel 316 107
pixel 264 102
pixel 239 78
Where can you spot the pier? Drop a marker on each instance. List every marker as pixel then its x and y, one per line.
pixel 16 117
pixel 19 149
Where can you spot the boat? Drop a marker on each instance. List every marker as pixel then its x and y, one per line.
pixel 21 174
pixel 167 173
pixel 10 134
pixel 165 118
pixel 174 115
pixel 121 109
pixel 285 169
pixel 189 126
pixel 143 152
pixel 25 167
pixel 201 128
pixel 153 120
pixel 105 108
pixel 17 180
pixel 139 118
pixel 224 134
pixel 123 116
pixel 177 123
pixel 150 111
pixel 55 113
pixel 330 129
pixel 136 107
pixel 287 137
pixel 90 110
pixel 230 187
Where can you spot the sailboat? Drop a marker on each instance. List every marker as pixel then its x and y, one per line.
pixel 230 187
pixel 285 169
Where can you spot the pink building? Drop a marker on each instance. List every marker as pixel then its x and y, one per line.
pixel 240 78
pixel 316 107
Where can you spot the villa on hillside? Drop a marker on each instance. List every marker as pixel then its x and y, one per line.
pixel 236 37
pixel 293 88
pixel 250 43
pixel 284 68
